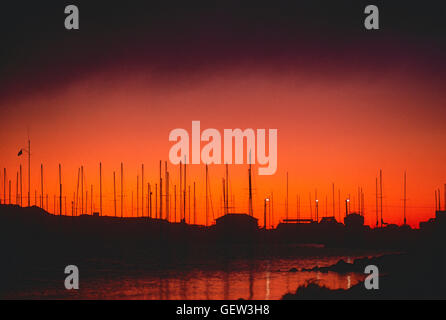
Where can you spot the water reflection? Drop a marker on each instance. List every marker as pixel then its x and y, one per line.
pixel 246 279
pixel 268 279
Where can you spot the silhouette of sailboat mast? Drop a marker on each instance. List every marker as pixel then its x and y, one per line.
pixel 188 198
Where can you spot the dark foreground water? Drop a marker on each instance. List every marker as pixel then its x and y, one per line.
pixel 260 278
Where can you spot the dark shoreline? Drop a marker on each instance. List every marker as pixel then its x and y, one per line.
pixel 33 240
pixel 402 276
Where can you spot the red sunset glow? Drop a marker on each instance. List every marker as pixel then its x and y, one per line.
pixel 332 128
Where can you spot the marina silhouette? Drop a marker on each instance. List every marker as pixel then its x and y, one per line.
pixel 259 151
pixel 158 237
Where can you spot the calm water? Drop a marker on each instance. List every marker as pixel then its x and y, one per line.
pixel 247 279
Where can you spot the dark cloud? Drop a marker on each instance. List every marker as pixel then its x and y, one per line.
pixel 185 36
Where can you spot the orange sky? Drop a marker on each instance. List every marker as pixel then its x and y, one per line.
pixel 332 127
